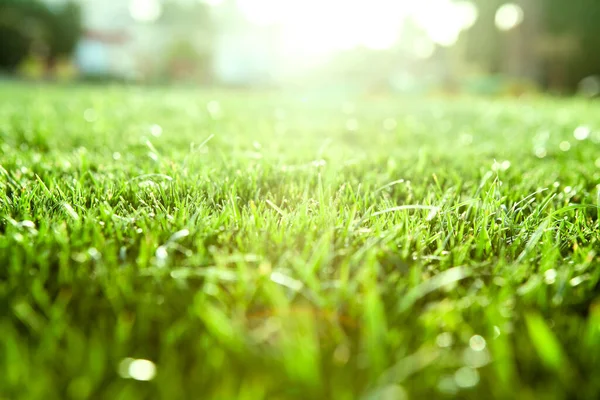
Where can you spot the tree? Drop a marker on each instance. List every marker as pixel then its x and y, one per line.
pixel 56 28
pixel 16 31
pixel 62 31
pixel 577 19
pixel 483 41
pixel 557 43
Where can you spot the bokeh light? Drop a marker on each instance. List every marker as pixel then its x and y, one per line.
pixel 137 369
pixel 590 86
pixel 509 16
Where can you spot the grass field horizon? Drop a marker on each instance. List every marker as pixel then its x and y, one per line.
pixel 221 244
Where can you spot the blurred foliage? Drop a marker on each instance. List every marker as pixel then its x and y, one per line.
pixel 483 40
pixel 188 14
pixel 16 19
pixel 25 25
pixel 35 67
pixel 185 62
pixel 15 45
pixel 569 31
pixel 580 19
pixel 556 46
pixel 63 28
pixel 192 31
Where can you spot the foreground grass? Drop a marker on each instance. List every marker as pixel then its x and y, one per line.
pixel 262 246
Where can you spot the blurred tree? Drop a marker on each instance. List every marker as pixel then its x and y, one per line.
pixel 185 62
pixel 62 31
pixel 191 29
pixel 576 24
pixel 24 23
pixel 14 45
pixel 17 20
pixel 521 59
pixel 483 41
pixel 557 44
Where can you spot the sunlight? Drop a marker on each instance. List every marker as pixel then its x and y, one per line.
pixel 442 20
pixel 145 10
pixel 212 2
pixel 323 26
pixel 261 12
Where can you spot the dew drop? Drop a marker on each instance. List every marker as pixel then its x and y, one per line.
pixel 444 340
pixel 582 132
pixel 90 115
pixel 550 276
pixel 477 343
pixel 466 377
pixel 156 130
pixel 565 146
pixel 540 152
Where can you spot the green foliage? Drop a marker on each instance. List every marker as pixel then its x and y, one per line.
pixel 16 23
pixel 62 28
pixel 193 32
pixel 545 19
pixel 483 40
pixel 15 45
pixel 545 343
pixel 272 246
pixel 23 22
pixel 194 15
pixel 579 18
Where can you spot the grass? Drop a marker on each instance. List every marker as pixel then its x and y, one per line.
pixel 269 246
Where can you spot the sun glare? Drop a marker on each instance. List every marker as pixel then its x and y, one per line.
pixel 322 26
pixel 212 2
pixel 145 10
pixel 443 20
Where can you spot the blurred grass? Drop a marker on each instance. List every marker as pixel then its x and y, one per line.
pixel 269 246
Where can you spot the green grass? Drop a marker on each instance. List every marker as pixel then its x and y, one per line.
pixel 270 246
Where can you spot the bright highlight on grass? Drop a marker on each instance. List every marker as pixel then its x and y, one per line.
pixel 137 369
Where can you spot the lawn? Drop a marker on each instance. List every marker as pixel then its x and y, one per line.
pixel 181 243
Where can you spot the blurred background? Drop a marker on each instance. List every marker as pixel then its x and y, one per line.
pixel 486 47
